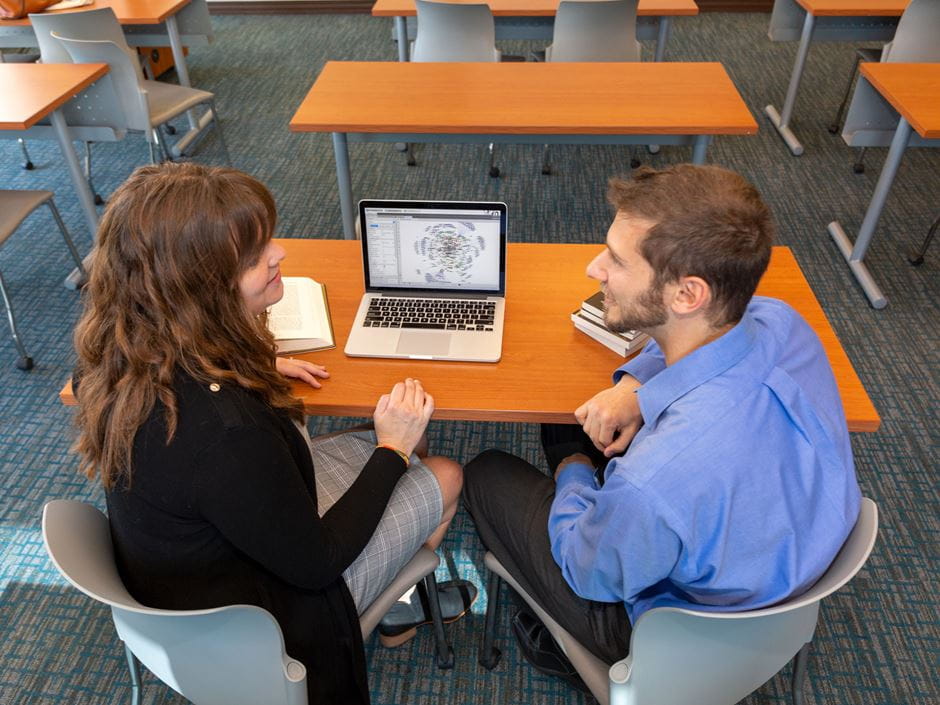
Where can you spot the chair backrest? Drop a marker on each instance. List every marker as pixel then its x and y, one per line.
pixel 124 72
pixel 917 37
pixel 595 30
pixel 679 656
pixel 454 32
pixel 89 24
pixel 224 656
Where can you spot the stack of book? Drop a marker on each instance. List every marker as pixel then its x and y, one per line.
pixel 589 319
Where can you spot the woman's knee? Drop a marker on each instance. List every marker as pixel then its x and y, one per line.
pixel 449 474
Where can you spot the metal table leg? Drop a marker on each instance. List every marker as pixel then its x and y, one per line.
pixel 700 148
pixel 855 254
pixel 401 36
pixel 344 184
pixel 662 37
pixel 781 121
pixel 75 279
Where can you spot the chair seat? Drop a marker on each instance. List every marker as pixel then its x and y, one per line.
pixel 167 100
pixel 15 206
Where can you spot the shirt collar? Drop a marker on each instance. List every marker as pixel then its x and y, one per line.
pixel 695 369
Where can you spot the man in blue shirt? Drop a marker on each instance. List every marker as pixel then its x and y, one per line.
pixel 716 473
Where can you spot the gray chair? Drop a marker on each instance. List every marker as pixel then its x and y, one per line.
pixel 455 32
pixel 680 656
pixel 230 655
pixel 870 121
pixel 15 207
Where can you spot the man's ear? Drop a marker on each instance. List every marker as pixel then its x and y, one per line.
pixel 690 295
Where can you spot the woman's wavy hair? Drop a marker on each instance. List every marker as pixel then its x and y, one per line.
pixel 163 297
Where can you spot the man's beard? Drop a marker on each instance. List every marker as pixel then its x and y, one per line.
pixel 645 312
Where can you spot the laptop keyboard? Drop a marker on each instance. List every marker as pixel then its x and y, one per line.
pixel 440 314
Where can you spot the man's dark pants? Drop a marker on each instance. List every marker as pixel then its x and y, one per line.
pixel 509 500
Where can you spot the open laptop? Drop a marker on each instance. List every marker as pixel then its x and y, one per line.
pixel 435 277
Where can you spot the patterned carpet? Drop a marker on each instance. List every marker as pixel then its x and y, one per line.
pixel 878 639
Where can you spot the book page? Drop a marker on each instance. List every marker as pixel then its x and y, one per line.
pixel 301 312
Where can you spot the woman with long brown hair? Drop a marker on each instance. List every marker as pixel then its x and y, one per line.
pixel 186 416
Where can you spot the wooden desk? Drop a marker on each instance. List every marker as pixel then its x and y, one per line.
pixel 534 19
pixel 914 91
pixel 825 20
pixel 33 91
pixel 548 368
pixel 527 103
pixel 137 17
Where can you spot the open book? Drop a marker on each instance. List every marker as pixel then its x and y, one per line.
pixel 300 321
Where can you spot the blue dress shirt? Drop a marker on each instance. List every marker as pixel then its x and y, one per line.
pixel 738 490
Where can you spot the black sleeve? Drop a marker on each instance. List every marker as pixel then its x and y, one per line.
pixel 251 489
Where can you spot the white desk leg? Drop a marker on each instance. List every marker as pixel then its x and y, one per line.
pixel 700 148
pixel 196 124
pixel 75 279
pixel 401 36
pixel 344 184
pixel 855 254
pixel 781 121
pixel 662 38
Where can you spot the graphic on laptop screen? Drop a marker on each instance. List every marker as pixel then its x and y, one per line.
pixel 414 248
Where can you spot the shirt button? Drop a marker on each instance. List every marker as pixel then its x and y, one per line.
pixel 215 386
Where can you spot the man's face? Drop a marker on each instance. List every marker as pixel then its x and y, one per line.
pixel 631 302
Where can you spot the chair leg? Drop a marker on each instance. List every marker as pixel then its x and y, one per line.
pixel 98 199
pixel 153 154
pixel 494 170
pixel 859 166
pixel 27 162
pixel 68 241
pixel 489 654
pixel 164 150
pixel 134 667
pixel 918 258
pixel 799 673
pixel 836 124
pixel 445 654
pixel 218 128
pixel 25 362
pixel 546 167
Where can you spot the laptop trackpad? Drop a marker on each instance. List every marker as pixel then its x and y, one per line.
pixel 423 342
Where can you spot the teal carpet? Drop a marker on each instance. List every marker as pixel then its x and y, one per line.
pixel 878 639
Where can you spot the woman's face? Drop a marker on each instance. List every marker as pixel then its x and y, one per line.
pixel 260 284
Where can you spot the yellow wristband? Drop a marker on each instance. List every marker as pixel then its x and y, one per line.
pixel 400 453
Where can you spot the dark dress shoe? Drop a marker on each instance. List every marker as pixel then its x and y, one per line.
pixel 541 650
pixel 401 622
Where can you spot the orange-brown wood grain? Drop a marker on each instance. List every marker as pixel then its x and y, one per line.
pixel 535 8
pixel 524 98
pixel 127 11
pixel 912 89
pixel 855 8
pixel 548 368
pixel 32 91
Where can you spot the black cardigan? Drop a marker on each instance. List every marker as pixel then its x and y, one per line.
pixel 226 513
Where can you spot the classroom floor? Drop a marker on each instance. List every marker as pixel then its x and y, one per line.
pixel 877 640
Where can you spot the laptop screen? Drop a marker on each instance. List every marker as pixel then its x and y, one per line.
pixel 434 246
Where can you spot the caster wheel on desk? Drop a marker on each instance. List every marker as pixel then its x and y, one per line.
pixel 411 160
pixel 446 662
pixel 25 363
pixel 833 129
pixel 494 172
pixel 29 166
pixel 490 660
pixel 99 201
pixel 546 171
pixel 916 261
pixel 858 168
pixel 170 130
pixel 634 163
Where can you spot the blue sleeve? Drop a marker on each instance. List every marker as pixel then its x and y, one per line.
pixel 613 542
pixel 644 366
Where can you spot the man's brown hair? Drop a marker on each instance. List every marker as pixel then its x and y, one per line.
pixel 709 223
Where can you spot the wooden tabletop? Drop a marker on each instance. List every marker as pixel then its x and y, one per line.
pixel 855 8
pixel 548 368
pixel 535 8
pixel 127 11
pixel 524 98
pixel 32 91
pixel 912 89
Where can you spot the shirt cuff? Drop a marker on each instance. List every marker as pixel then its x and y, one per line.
pixel 575 475
pixel 642 368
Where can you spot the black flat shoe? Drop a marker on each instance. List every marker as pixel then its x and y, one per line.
pixel 540 649
pixel 401 622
